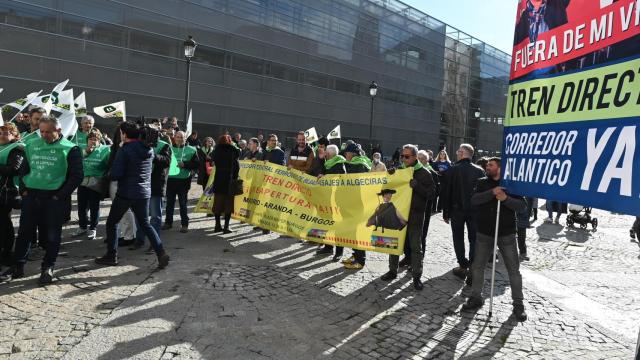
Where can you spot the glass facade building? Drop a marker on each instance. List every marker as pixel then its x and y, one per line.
pixel 265 66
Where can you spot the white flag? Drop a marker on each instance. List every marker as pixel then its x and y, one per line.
pixel 335 133
pixel 65 111
pixel 112 110
pixel 53 97
pixel 81 105
pixel 189 123
pixel 311 135
pixel 21 104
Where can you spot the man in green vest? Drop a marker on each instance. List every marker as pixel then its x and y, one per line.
pixel 179 184
pixel 54 171
pixel 80 138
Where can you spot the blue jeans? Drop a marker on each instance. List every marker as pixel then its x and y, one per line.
pixel 140 208
pixel 88 200
pixel 155 214
pixel 40 211
pixel 458 220
pixel 172 192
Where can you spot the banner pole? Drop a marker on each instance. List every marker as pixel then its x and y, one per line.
pixel 493 268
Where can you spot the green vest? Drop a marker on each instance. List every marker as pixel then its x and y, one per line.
pixel 183 154
pixel 96 164
pixel 48 164
pixel 4 157
pixel 80 139
pixel 29 137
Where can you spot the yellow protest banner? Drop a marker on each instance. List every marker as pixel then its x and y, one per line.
pixel 334 209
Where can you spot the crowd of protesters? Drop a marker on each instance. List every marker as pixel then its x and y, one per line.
pixel 40 169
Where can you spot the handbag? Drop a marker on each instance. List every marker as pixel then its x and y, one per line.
pixel 97 184
pixel 235 185
pixel 9 196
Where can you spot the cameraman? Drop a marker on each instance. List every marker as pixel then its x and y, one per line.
pixel 159 174
pixel 132 170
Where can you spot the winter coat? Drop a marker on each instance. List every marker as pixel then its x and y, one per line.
pixel 227 167
pixel 205 159
pixel 301 160
pixel 131 168
pixel 459 182
pixel 487 206
pixel 160 171
pixel 274 156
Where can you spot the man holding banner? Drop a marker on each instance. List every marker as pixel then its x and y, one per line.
pixel 485 198
pixel 423 190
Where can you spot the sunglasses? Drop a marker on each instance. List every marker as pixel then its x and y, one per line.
pixel 406 156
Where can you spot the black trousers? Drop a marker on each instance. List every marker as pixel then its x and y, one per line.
pixel 7 235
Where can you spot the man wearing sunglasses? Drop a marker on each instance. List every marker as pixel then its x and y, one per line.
pixel 423 190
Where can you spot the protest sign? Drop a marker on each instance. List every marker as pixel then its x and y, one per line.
pixel 573 110
pixel 334 209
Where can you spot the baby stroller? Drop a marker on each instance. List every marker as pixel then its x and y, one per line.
pixel 581 215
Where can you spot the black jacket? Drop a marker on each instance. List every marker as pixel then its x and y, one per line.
pixel 423 190
pixel 160 171
pixel 275 156
pixel 204 158
pixel 335 169
pixel 487 205
pixel 459 182
pixel 555 15
pixel 356 168
pixel 227 168
pixel 15 167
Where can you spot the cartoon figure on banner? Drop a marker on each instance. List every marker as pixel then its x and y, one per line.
pixel 386 216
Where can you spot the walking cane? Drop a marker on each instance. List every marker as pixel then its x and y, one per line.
pixel 493 268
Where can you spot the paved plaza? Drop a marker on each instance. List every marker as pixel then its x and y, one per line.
pixel 253 296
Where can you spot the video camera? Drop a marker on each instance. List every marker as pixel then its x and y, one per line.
pixel 149 133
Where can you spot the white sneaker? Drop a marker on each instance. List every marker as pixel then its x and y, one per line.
pixel 91 235
pixel 79 231
pixel 549 219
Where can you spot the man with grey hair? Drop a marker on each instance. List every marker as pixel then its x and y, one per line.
pixel 423 190
pixel 333 164
pixel 80 138
pixel 53 172
pixel 459 184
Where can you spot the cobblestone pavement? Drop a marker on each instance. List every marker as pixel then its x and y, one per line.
pixel 253 296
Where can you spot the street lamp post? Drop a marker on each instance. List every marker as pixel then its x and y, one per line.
pixel 373 91
pixel 189 50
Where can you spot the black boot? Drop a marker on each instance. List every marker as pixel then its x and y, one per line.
pixel 417 283
pixel 227 218
pixel 163 259
pixel 519 313
pixel 472 303
pixel 46 276
pixel 218 228
pixel 110 259
pixel 389 276
pixel 15 272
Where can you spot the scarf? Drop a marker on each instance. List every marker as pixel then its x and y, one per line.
pixel 361 160
pixel 338 159
pixel 536 20
pixel 416 167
